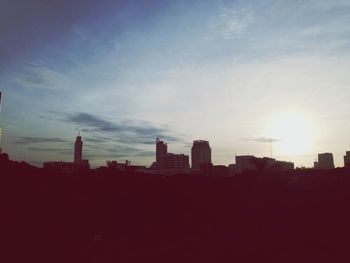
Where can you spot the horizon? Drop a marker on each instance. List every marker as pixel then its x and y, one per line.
pixel 239 74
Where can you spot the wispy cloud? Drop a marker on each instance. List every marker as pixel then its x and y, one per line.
pixel 235 20
pixel 32 140
pixel 54 150
pixel 41 77
pixel 261 139
pixel 146 154
pixel 125 131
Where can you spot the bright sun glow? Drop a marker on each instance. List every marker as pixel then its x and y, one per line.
pixel 294 134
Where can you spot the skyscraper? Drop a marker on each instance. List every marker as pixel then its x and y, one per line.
pixel 200 154
pixel 78 150
pixel 161 151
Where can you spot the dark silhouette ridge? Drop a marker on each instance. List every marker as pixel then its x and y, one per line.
pixel 109 215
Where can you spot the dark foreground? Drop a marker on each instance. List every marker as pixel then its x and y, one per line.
pixel 103 216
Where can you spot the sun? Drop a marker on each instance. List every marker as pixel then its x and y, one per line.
pixel 292 134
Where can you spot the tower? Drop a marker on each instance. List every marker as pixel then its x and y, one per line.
pixel 161 151
pixel 200 154
pixel 78 150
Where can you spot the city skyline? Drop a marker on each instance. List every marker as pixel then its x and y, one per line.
pixel 239 74
pixel 200 155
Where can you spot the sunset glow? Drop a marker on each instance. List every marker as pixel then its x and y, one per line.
pixel 293 134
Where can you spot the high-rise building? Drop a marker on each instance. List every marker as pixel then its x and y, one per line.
pixel 69 167
pixel 200 154
pixel 325 161
pixel 161 151
pixel 347 159
pixel 78 150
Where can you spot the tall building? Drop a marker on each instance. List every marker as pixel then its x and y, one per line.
pixel 161 151
pixel 200 154
pixel 347 159
pixel 69 167
pixel 78 150
pixel 325 161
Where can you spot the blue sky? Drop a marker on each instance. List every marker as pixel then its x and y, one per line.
pixel 125 72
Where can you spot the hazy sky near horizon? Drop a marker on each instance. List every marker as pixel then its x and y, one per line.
pixel 125 72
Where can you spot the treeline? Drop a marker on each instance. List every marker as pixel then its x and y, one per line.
pixel 109 216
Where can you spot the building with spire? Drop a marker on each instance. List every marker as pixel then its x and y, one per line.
pixel 69 167
pixel 78 150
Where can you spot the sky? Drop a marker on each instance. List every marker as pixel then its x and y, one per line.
pixel 240 74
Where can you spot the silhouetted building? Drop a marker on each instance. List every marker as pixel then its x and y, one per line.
pixel 118 166
pixel 220 170
pixel 200 154
pixel 67 167
pixel 205 169
pixel 0 127
pixel 347 159
pixel 78 150
pixel 284 166
pixel 176 162
pixel 208 169
pixel 325 161
pixel 161 151
pixel 246 163
pixel 169 161
pixel 232 169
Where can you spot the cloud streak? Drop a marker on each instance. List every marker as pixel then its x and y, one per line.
pixel 125 131
pixel 261 139
pixel 33 140
pixel 235 20
pixel 41 77
pixel 54 150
